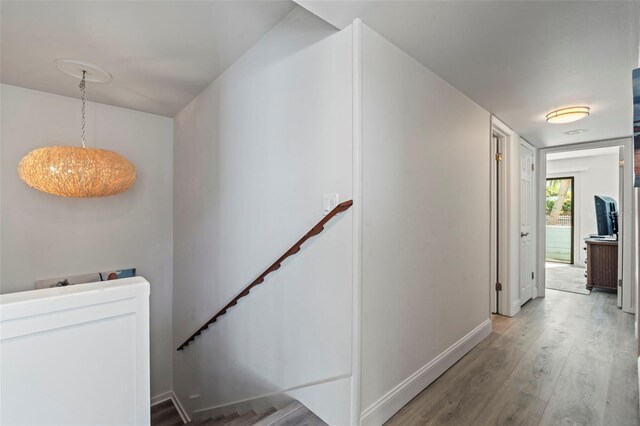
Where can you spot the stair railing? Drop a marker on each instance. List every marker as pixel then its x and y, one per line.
pixel 317 228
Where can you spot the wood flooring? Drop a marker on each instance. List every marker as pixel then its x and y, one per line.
pixel 566 359
pixel 165 414
pixel 293 414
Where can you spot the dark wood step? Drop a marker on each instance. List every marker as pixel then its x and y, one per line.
pixel 261 416
pixel 243 420
pixel 165 414
pixel 202 422
pixel 279 414
pixel 224 420
pixel 301 417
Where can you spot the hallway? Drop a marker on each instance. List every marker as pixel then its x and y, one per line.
pixel 564 359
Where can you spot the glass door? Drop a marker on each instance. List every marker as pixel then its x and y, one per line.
pixel 559 220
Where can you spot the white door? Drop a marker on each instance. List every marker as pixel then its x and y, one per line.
pixel 620 222
pixel 526 223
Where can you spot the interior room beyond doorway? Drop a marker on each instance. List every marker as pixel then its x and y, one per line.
pixel 575 182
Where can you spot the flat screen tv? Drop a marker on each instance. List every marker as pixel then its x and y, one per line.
pixel 606 215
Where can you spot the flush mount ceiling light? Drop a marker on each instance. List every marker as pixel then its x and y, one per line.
pixel 78 171
pixel 576 132
pixel 567 115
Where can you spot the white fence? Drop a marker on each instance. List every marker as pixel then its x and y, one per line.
pixel 562 221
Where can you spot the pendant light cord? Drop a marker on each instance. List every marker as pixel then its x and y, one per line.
pixel 83 86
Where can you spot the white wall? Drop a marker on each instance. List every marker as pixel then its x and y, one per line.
pixel 44 236
pixel 76 355
pixel 597 174
pixel 425 254
pixel 253 155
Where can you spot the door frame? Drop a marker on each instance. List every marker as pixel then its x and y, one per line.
pixel 505 219
pixel 534 222
pixel 577 246
pixel 574 246
pixel 628 270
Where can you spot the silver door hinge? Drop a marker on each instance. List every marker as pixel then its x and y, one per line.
pixel 620 283
pixel 498 156
pixel 498 286
pixel 532 276
pixel 533 167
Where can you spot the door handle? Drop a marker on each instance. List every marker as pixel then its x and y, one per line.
pixel 523 234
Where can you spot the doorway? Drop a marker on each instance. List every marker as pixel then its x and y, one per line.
pixel 497 220
pixel 572 181
pixel 559 220
pixel 504 290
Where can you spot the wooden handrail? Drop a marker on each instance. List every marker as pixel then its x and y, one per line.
pixel 317 228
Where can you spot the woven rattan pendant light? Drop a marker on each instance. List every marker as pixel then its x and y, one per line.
pixel 77 171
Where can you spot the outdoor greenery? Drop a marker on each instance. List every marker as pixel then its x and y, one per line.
pixel 553 188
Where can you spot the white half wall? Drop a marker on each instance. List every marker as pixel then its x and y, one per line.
pixel 76 355
pixel 45 236
pixel 426 218
pixel 254 154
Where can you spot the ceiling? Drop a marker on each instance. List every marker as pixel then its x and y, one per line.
pixel 161 54
pixel 519 60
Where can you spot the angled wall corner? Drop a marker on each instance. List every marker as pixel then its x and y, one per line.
pixel 254 154
pixel 425 220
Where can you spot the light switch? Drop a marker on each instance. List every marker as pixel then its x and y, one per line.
pixel 329 202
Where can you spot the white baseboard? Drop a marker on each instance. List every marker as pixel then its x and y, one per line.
pixel 160 398
pixel 259 403
pixel 382 410
pixel 183 413
pixel 176 402
pixel 515 308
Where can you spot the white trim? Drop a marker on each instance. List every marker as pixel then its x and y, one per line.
pixel 621 223
pixel 155 400
pixel 542 237
pixel 636 265
pixel 516 304
pixel 509 219
pixel 268 394
pixel 493 241
pixel 382 410
pixel 534 225
pixel 356 350
pixel 183 413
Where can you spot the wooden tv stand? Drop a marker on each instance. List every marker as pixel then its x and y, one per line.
pixel 602 264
